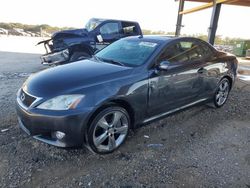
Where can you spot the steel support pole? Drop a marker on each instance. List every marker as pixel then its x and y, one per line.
pixel 179 18
pixel 214 23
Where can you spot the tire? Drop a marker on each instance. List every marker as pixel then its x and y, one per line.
pixel 76 56
pixel 222 93
pixel 104 135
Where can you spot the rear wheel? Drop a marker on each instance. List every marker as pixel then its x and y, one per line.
pixel 76 56
pixel 108 130
pixel 222 92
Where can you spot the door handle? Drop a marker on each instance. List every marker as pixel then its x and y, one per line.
pixel 201 70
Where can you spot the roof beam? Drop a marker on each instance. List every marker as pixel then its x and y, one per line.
pixel 205 6
pixel 239 3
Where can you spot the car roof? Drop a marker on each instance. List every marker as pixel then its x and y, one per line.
pixel 164 38
pixel 160 37
pixel 104 19
pixel 153 38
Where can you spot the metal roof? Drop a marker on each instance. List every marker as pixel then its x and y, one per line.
pixel 228 2
pixel 216 5
pixel 211 3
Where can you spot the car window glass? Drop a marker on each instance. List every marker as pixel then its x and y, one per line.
pixel 129 28
pixel 129 52
pixel 92 24
pixel 109 28
pixel 172 54
pixel 183 51
pixel 207 50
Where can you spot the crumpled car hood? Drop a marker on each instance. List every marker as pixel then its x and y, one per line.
pixel 81 32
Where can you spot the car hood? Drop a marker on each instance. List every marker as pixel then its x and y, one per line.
pixel 71 77
pixel 80 32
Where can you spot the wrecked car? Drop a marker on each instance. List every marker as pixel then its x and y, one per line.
pixel 72 45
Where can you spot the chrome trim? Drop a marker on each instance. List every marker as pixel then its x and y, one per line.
pixel 22 97
pixel 47 63
pixel 57 143
pixel 29 94
pixel 35 101
pixel 20 102
pixel 55 58
pixel 174 110
pixel 53 63
pixel 51 142
pixel 21 125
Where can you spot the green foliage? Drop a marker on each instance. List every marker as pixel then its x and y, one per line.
pixel 33 28
pixel 149 32
pixel 219 40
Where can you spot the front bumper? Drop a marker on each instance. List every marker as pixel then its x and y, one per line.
pixel 55 58
pixel 42 125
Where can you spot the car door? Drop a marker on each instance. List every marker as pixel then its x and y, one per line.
pixel 110 31
pixel 181 84
pixel 107 33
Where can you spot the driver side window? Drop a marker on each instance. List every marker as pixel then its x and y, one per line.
pixel 109 28
pixel 181 52
pixel 173 54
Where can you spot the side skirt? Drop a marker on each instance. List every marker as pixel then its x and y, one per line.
pixel 174 110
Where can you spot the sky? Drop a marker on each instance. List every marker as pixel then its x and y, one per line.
pixel 151 14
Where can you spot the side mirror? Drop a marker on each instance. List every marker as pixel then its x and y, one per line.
pixel 164 65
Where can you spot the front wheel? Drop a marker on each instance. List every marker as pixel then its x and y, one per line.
pixel 222 92
pixel 108 130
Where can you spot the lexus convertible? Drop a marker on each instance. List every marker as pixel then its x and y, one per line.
pixel 134 81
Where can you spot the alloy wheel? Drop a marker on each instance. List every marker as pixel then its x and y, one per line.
pixel 222 92
pixel 110 131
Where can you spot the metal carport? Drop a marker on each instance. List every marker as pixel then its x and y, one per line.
pixel 216 5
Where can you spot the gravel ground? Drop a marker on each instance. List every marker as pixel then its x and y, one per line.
pixel 198 147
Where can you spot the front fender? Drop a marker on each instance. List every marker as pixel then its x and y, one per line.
pixel 123 92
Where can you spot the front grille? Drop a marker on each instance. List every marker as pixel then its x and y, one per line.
pixel 26 99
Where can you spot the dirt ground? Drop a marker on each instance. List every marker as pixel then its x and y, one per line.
pixel 198 147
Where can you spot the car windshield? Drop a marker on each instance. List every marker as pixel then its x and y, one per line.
pixel 92 24
pixel 127 52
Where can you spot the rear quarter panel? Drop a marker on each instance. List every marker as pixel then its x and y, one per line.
pixel 220 66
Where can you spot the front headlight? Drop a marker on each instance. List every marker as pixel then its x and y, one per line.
pixel 63 102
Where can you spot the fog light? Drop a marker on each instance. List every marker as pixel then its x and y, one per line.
pixel 59 135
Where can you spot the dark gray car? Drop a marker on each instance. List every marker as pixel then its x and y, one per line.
pixel 131 82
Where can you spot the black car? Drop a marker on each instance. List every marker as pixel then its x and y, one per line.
pixel 71 45
pixel 131 82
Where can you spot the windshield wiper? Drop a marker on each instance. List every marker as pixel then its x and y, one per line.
pixel 108 60
pixel 112 61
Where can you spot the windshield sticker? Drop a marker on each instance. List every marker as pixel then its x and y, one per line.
pixel 148 44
